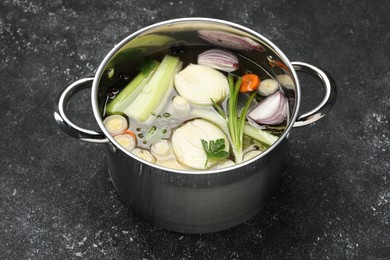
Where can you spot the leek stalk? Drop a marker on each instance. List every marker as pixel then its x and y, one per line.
pixel 133 89
pixel 155 90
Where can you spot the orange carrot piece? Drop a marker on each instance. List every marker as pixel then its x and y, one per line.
pixel 129 132
pixel 250 82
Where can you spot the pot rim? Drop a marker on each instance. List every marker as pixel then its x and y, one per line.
pixel 130 37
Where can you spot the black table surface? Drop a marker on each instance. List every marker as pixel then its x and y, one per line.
pixel 57 200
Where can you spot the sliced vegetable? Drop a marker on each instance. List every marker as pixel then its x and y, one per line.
pixel 156 90
pixel 116 124
pixel 187 145
pixel 199 84
pixel 126 140
pixel 224 164
pixel 251 154
pixel 286 81
pixel 230 40
pixel 132 90
pixel 260 135
pixel 219 59
pixel 215 149
pixel 270 111
pixel 268 87
pixel 162 151
pixel 129 132
pixel 250 82
pixel 144 154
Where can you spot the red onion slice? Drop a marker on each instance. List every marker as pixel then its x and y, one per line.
pixel 271 111
pixel 230 40
pixel 219 59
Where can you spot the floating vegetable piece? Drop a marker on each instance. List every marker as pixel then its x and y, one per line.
pixel 129 132
pixel 286 81
pixel 181 106
pixel 144 154
pixel 162 151
pixel 132 90
pixel 224 164
pixel 199 84
pixel 270 111
pixel 110 72
pixel 260 135
pixel 126 140
pixel 268 87
pixel 251 154
pixel 115 124
pixel 219 59
pixel 250 82
pixel 156 90
pixel 187 145
pixel 230 40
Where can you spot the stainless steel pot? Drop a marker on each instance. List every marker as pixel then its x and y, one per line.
pixel 193 201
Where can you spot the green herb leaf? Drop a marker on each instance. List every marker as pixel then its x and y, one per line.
pixel 215 149
pixel 217 108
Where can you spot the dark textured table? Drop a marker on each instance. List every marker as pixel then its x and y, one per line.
pixel 56 198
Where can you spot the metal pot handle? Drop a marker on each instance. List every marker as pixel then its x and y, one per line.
pixel 329 98
pixel 63 121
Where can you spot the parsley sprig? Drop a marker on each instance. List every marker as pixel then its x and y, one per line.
pixel 215 149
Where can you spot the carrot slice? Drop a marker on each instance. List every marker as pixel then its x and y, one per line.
pixel 129 132
pixel 250 82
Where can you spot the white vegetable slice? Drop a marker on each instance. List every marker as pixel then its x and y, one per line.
pixel 286 81
pixel 187 145
pixel 126 140
pixel 224 164
pixel 116 124
pixel 161 150
pixel 268 87
pixel 199 84
pixel 251 154
pixel 144 154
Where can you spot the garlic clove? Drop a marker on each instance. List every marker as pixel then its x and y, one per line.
pixel 286 81
pixel 268 87
pixel 181 106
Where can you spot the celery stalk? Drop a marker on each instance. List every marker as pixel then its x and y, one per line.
pixel 133 89
pixel 260 135
pixel 155 90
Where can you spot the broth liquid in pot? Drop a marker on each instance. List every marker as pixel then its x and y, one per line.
pixel 163 122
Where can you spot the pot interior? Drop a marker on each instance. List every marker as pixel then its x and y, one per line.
pixel 184 35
